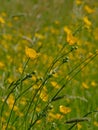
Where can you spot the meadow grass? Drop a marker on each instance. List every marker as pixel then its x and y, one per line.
pixel 48 65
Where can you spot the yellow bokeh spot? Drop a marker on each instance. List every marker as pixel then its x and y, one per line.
pixel 96 123
pixel 79 126
pixel 87 22
pixel 31 53
pixel 93 83
pixel 88 9
pixel 2 65
pixel 70 38
pixel 67 30
pixel 10 101
pixel 44 95
pixel 64 109
pixel 84 85
pixel 95 33
pixel 79 2
pixel 55 84
pixel 2 21
pixel 39 36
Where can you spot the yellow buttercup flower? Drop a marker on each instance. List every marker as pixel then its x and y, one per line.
pixel 44 96
pixel 55 84
pixel 10 101
pixel 70 38
pixel 31 53
pixel 64 109
pixel 2 20
pixel 87 22
pixel 88 9
pixel 2 65
pixel 84 85
pixel 79 2
pixel 67 30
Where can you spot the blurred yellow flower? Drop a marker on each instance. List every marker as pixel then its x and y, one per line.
pixel 7 37
pixel 2 65
pixel 67 30
pixel 70 38
pixel 64 109
pixel 23 101
pixel 44 95
pixel 79 126
pixel 96 123
pixel 16 18
pixel 84 85
pixel 54 30
pixel 87 22
pixel 15 108
pixel 3 14
pixel 57 22
pixel 93 83
pixel 95 33
pixel 31 53
pixel 52 116
pixel 10 101
pixel 79 2
pixel 2 21
pixel 88 9
pixel 55 84
pixel 39 36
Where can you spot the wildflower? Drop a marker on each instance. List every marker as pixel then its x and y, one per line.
pixel 39 36
pixel 96 123
pixel 55 85
pixel 58 116
pixel 20 114
pixel 2 65
pixel 54 31
pixel 44 95
pixel 16 18
pixel 9 24
pixel 34 78
pixel 79 126
pixel 23 101
pixel 52 116
pixel 10 101
pixel 70 38
pixel 15 108
pixel 31 53
pixel 36 86
pixel 7 37
pixel 10 79
pixel 87 22
pixel 57 22
pixel 64 109
pixel 93 83
pixel 84 85
pixel 2 21
pixel 88 9
pixel 67 30
pixel 79 2
pixel 95 33
pixel 3 14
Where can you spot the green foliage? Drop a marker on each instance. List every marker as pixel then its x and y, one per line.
pixel 48 65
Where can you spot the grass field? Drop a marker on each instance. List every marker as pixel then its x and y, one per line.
pixel 48 65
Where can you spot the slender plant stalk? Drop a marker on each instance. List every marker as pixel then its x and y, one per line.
pixel 88 60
